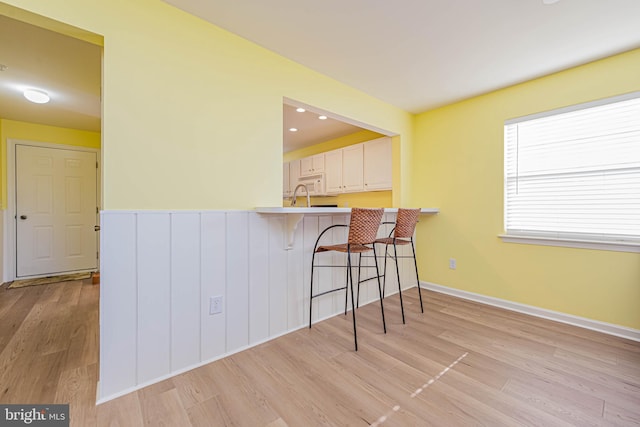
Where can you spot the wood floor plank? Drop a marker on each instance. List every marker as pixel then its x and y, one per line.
pixel 516 369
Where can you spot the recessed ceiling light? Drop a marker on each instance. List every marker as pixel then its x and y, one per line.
pixel 37 96
pixel 322 117
pixel 300 110
pixel 293 130
pixel 550 1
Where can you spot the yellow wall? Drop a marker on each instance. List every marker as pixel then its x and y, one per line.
pixel 333 144
pixel 192 114
pixel 458 166
pixel 11 129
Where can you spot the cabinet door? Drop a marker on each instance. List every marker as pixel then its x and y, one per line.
pixel 286 185
pixel 306 166
pixel 333 171
pixel 318 163
pixel 294 174
pixel 352 168
pixel 312 165
pixel 377 165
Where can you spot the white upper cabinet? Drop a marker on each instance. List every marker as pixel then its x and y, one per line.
pixel 377 165
pixel 286 184
pixel 333 168
pixel 294 175
pixel 356 168
pixel 312 165
pixel 352 168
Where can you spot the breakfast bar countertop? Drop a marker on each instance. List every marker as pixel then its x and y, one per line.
pixel 295 214
pixel 322 210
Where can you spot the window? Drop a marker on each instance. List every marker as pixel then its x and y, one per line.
pixel 574 174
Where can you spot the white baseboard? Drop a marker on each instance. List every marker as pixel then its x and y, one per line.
pixel 594 325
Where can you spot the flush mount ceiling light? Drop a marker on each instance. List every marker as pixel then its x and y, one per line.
pixel 550 1
pixel 322 117
pixel 37 96
pixel 293 130
pixel 300 110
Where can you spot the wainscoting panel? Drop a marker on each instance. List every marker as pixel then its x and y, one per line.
pixel 213 267
pixel 258 278
pixel 185 290
pixel 153 252
pixel 237 296
pixel 160 268
pixel 118 304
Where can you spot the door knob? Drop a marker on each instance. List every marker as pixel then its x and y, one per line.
pixel 23 217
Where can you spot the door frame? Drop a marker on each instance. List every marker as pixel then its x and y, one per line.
pixel 9 241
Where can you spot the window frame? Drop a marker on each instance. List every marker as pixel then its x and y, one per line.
pixel 577 240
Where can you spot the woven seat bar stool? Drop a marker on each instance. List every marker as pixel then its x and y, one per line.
pixel 402 234
pixel 363 228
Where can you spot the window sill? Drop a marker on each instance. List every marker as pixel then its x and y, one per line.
pixel 571 243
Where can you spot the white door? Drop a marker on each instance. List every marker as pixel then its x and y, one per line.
pixel 55 211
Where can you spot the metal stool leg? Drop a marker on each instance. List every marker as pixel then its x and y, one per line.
pixel 415 263
pixel 375 260
pixel 353 307
pixel 395 257
pixel 358 294
pixel 313 257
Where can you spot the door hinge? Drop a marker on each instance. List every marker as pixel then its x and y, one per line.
pixel 96 165
pixel 97 209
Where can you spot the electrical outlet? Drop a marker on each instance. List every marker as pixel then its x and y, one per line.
pixel 215 305
pixel 452 263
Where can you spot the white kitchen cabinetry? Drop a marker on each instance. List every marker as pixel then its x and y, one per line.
pixel 377 165
pixel 312 165
pixel 333 168
pixel 286 184
pixel 352 168
pixel 294 175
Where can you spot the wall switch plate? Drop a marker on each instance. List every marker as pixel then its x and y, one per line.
pixel 452 263
pixel 215 305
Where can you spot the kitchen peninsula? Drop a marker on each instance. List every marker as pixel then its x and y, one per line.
pixel 295 214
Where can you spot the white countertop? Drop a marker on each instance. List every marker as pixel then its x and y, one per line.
pixel 294 215
pixel 305 210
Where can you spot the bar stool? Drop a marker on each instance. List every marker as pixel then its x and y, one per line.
pixel 405 226
pixel 363 228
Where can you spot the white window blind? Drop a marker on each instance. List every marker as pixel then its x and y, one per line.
pixel 575 174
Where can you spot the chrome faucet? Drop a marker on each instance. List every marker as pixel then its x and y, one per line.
pixel 295 192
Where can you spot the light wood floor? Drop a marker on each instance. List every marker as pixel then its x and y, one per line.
pixel 459 364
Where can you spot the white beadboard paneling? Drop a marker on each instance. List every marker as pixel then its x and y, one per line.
pixel 159 269
pixel 323 277
pixel 295 281
pixel 277 277
pixel 185 290
pixel 213 267
pixel 258 278
pixel 118 303
pixel 154 295
pixel 310 234
pixel 237 301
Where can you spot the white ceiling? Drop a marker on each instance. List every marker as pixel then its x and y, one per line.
pixel 415 54
pixel 66 68
pixel 421 54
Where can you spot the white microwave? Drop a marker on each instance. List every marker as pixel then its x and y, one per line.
pixel 315 184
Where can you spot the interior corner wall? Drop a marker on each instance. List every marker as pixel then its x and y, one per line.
pixel 192 114
pixel 458 167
